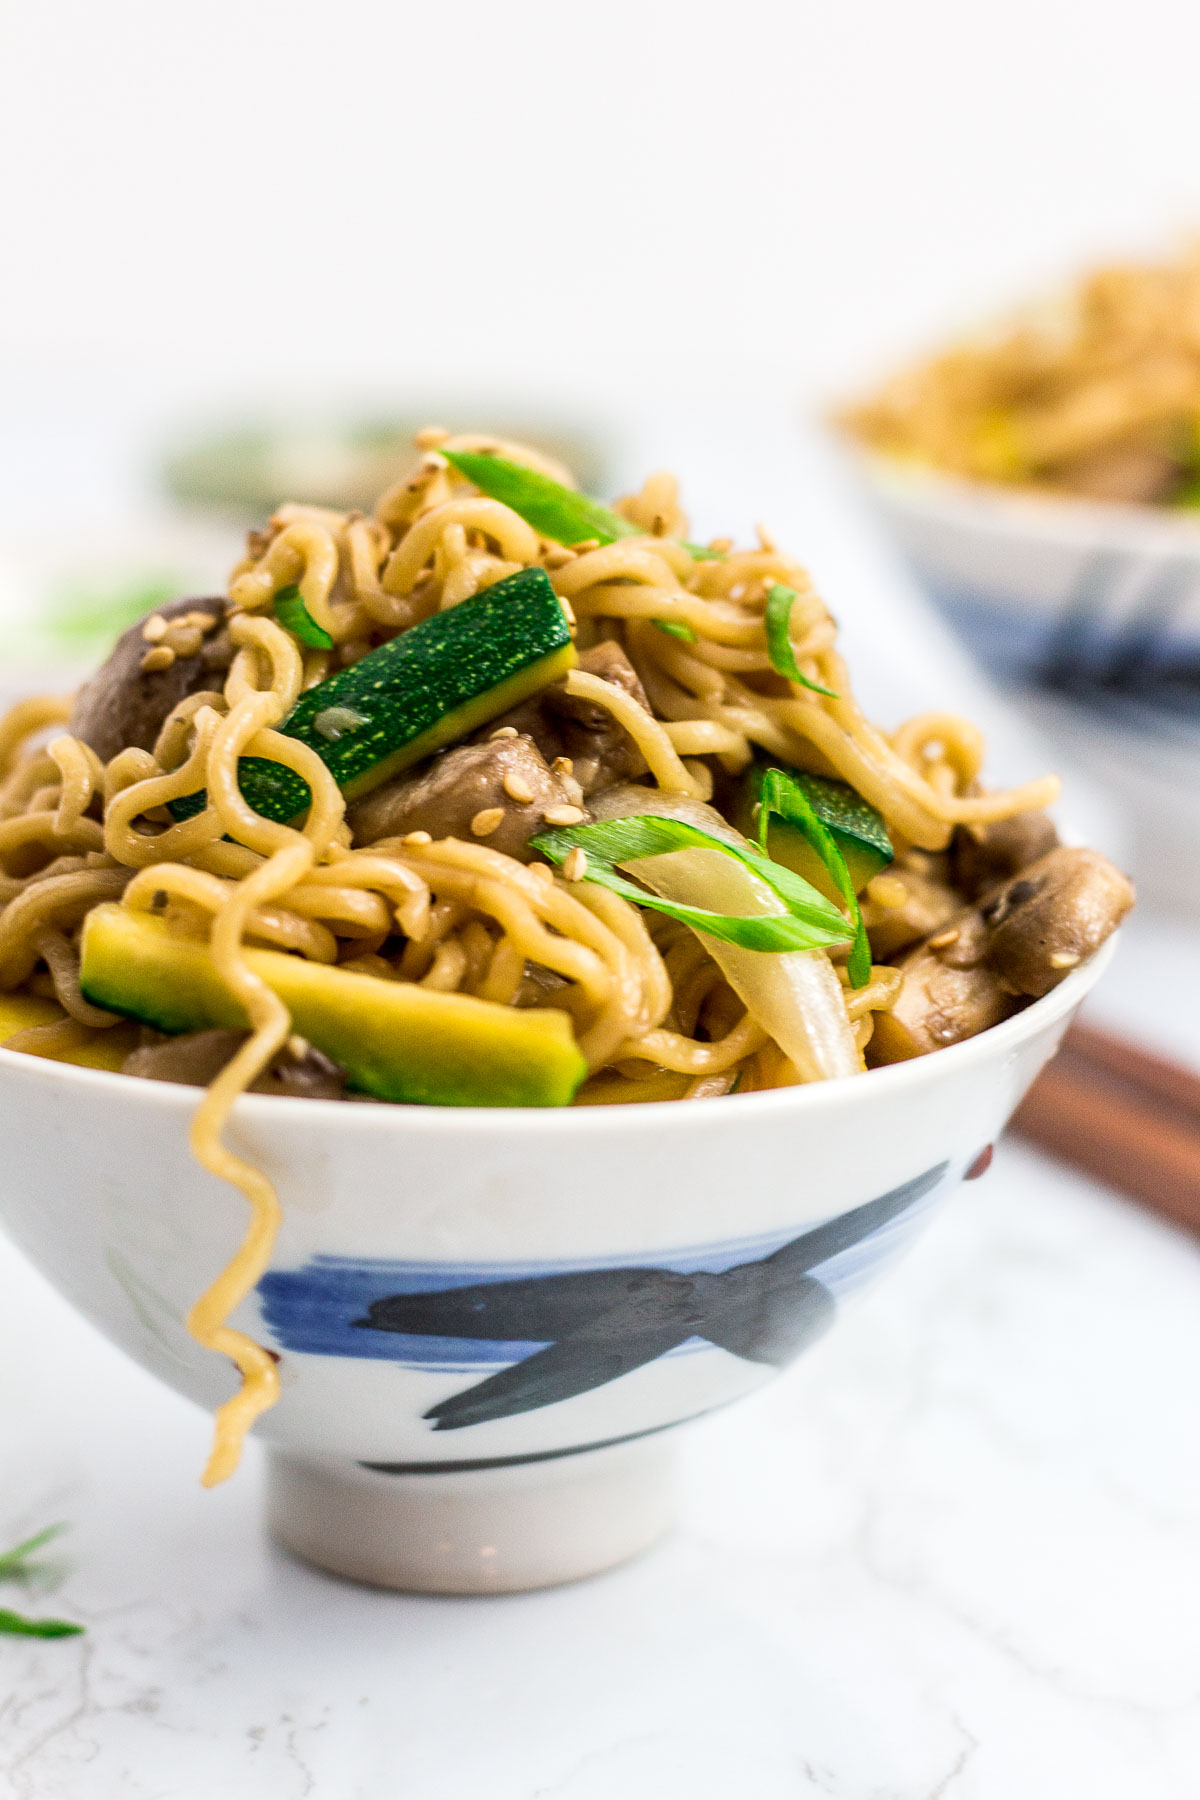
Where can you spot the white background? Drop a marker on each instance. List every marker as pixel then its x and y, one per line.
pixel 318 192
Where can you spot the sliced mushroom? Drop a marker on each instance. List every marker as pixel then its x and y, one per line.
pixel 1002 850
pixel 562 724
pixel 125 704
pixel 1053 916
pixel 928 904
pixel 1136 474
pixel 197 1057
pixel 498 792
pixel 1017 944
pixel 938 1005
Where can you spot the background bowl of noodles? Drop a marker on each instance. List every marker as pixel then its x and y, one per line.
pixel 1042 475
pixel 1088 612
pixel 490 1322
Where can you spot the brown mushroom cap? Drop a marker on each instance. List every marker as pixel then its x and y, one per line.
pixel 928 904
pixel 197 1057
pixel 1017 944
pixel 124 706
pixel 503 779
pixel 563 724
pixel 1053 916
pixel 938 1005
pixel 1003 849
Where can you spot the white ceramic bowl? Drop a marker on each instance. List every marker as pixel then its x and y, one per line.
pixel 1091 611
pixel 1011 565
pixel 557 1289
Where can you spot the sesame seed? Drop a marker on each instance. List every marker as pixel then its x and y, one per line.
pixel 505 731
pixel 558 556
pixel 335 722
pixel 944 939
pixel 184 640
pixel 563 815
pixel 518 789
pixel 485 822
pixel 298 1047
pixel 161 657
pixel 563 765
pixel 544 873
pixel 416 838
pixel 568 610
pixel 722 546
pixel 575 864
pixel 203 621
pixel 155 629
pixel 584 545
pixel 1064 959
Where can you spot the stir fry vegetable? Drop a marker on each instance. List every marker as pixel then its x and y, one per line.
pixel 428 687
pixel 782 793
pixel 794 994
pixel 803 921
pixel 16 1563
pixel 557 512
pixel 291 611
pixel 776 622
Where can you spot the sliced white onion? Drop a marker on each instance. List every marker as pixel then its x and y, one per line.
pixel 794 995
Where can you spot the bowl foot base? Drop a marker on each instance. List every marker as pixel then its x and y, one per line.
pixel 480 1531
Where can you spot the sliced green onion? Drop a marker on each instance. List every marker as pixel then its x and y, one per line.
pixel 838 806
pixel 15 1563
pixel 14 1624
pixel 780 602
pixel 781 793
pixel 676 629
pixel 291 611
pixel 810 922
pixel 554 511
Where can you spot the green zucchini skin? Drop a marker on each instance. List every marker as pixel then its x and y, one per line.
pixel 395 1040
pixel 437 681
pixel 841 809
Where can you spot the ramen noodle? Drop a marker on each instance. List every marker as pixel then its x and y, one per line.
pixel 1094 393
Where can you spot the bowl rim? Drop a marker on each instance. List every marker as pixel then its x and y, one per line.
pixel 1033 512
pixel 1000 1042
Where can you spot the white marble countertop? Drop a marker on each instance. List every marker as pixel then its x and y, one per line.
pixel 953 1555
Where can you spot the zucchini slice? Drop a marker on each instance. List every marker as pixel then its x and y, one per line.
pixel 437 681
pixel 107 1050
pixel 395 1040
pixel 856 827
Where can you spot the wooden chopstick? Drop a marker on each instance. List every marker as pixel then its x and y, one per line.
pixel 1127 1117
